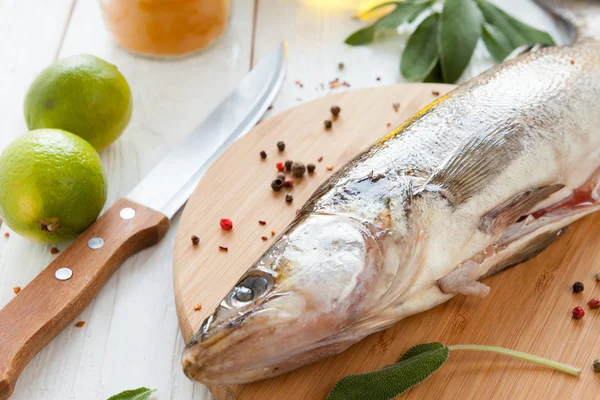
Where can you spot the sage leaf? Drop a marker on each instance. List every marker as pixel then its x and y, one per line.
pixel 435 75
pixel 134 394
pixel 401 14
pixel 495 41
pixel 413 368
pixel 362 36
pixel 397 17
pixel 418 9
pixel 460 29
pixel 517 32
pixel 421 53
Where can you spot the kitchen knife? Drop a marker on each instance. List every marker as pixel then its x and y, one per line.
pixel 62 290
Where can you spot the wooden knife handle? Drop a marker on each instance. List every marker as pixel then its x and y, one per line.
pixel 47 305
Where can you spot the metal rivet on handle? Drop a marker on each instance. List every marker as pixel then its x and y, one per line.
pixel 95 243
pixel 127 213
pixel 63 274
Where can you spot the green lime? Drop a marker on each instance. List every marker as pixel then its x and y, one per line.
pixel 52 185
pixel 83 95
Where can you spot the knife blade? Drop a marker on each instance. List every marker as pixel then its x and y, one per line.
pixel 64 288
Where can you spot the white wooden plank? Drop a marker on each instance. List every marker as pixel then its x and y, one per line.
pixel 131 337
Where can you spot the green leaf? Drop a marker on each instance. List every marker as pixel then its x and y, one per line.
pixel 460 29
pixel 135 394
pixel 421 53
pixel 515 31
pixel 397 17
pixel 413 368
pixel 435 75
pixel 418 9
pixel 401 14
pixel 362 36
pixel 495 41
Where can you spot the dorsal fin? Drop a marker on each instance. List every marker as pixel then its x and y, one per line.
pixel 474 163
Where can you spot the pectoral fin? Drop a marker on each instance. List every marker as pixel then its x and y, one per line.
pixel 528 250
pixel 508 212
pixel 475 163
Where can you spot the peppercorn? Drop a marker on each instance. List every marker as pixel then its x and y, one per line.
pixel 396 106
pixel 335 110
pixel 263 154
pixel 262 222
pixel 54 250
pixel 226 224
pixel 281 146
pixel 289 198
pixel 223 248
pixel 264 238
pixel 298 169
pixel 272 233
pixel 597 365
pixel 378 78
pixel 598 276
pixel 594 303
pixel 321 159
pixel 195 240
pixel 578 312
pixel 280 166
pixel 288 165
pixel 80 324
pixel 328 124
pixel 281 176
pixel 341 66
pixel 435 93
pixel 288 183
pixel 311 168
pixel 277 184
pixel 577 287
pixel 6 234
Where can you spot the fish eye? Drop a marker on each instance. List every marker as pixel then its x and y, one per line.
pixel 251 288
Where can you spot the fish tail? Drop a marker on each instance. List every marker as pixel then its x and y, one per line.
pixel 580 18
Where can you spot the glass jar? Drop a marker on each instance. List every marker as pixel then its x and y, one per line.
pixel 166 28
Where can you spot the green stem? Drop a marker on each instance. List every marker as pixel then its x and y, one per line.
pixel 567 369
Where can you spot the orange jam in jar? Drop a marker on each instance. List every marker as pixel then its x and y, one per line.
pixel 166 28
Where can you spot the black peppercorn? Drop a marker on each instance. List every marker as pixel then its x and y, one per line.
pixel 263 154
pixel 577 287
pixel 289 198
pixel 277 184
pixel 288 165
pixel 281 146
pixel 327 124
pixel 311 168
pixel 195 240
pixel 597 365
pixel 281 176
pixel 298 169
pixel 341 66
pixel 335 110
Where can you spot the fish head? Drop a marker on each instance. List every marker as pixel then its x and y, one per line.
pixel 293 306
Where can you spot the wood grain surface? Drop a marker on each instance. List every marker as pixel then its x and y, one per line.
pixel 47 305
pixel 529 307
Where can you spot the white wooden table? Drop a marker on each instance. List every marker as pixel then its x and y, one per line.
pixel 131 337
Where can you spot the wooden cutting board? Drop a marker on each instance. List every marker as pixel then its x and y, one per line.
pixel 528 309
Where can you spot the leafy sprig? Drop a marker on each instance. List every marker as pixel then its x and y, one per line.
pixel 416 365
pixel 443 43
pixel 134 394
